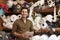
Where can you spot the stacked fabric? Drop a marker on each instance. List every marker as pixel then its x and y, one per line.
pixel 46 37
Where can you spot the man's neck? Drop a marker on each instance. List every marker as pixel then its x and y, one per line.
pixel 24 20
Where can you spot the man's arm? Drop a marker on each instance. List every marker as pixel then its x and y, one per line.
pixel 15 33
pixel 14 29
pixel 31 28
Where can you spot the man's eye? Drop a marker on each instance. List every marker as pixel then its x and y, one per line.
pixel 25 12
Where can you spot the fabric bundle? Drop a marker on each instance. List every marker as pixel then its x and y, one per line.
pixel 4 7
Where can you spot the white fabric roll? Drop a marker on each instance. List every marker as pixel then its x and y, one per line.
pixel 51 3
pixel 49 18
pixel 59 37
pixel 7 23
pixel 3 17
pixel 59 12
pixel 53 37
pixel 44 37
pixel 9 3
pixel 19 16
pixel 13 17
pixel 37 37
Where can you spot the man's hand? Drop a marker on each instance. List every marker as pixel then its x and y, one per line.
pixel 24 36
pixel 27 35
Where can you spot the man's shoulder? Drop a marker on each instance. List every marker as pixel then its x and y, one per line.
pixel 17 20
pixel 29 21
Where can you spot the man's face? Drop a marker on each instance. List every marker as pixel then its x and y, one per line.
pixel 24 13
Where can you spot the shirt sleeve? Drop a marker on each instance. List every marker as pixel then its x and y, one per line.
pixel 14 28
pixel 31 28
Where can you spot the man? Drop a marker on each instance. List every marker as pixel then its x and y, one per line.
pixel 23 25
